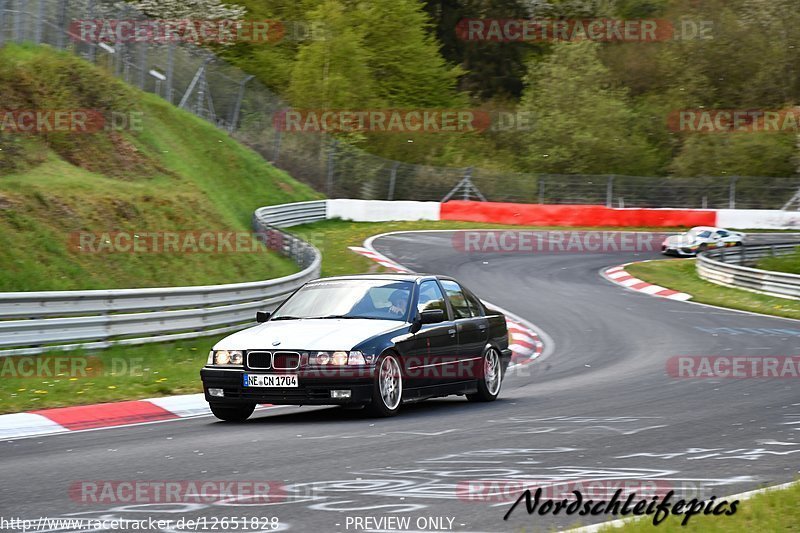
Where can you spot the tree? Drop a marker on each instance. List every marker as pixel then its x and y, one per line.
pixel 491 69
pixel 736 154
pixel 332 70
pixel 405 61
pixel 583 123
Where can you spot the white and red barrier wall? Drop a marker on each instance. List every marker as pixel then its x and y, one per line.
pixel 559 215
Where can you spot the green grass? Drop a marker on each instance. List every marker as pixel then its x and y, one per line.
pixel 117 373
pixel 784 263
pixel 175 173
pixel 681 275
pixel 772 511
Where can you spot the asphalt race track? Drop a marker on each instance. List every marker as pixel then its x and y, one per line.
pixel 599 406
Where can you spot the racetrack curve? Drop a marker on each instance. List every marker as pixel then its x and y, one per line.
pixel 600 406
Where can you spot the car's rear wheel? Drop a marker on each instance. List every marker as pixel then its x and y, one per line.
pixel 233 413
pixel 492 379
pixel 387 393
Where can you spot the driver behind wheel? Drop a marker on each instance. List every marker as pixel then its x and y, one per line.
pixel 399 301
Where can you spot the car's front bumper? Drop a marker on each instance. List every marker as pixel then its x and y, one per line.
pixel 312 388
pixel 678 251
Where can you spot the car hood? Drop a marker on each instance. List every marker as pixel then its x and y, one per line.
pixel 307 334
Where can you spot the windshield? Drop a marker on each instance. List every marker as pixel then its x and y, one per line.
pixel 352 298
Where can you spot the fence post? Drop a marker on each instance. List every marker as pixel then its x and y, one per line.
pixel 392 180
pixel 238 107
pixel 170 70
pixel 331 163
pixel 92 48
pixel 610 192
pixel 276 149
pixel 2 21
pixel 37 34
pixel 17 21
pixel 63 27
pixel 732 193
pixel 142 63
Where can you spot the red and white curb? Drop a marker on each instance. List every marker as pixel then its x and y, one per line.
pixel 379 258
pixel 103 415
pixel 620 276
pixel 525 343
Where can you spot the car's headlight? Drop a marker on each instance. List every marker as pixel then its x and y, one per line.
pixel 226 357
pixel 339 358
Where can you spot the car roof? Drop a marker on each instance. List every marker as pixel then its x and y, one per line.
pixel 388 276
pixel 705 228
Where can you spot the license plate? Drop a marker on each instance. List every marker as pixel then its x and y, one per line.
pixel 270 380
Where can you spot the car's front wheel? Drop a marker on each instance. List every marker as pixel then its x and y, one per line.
pixel 233 413
pixel 387 392
pixel 492 378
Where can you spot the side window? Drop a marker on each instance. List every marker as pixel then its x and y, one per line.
pixel 457 299
pixel 430 297
pixel 722 233
pixel 474 304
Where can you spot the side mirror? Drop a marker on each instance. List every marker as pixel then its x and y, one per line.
pixel 432 316
pixel 262 316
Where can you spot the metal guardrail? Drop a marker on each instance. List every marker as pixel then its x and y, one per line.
pixel 37 322
pixel 727 266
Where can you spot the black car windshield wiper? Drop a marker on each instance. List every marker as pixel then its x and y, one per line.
pixel 286 317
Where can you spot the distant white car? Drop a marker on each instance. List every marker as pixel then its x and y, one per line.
pixel 700 239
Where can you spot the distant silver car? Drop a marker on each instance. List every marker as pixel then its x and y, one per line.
pixel 699 239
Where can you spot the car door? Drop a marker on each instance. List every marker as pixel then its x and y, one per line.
pixel 434 345
pixel 725 238
pixel 471 328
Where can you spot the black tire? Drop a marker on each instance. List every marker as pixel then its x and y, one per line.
pixel 387 403
pixel 233 413
pixel 488 389
pixel 702 248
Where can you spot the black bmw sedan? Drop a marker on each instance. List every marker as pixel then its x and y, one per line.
pixel 369 340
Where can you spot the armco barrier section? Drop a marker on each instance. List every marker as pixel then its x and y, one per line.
pixel 37 322
pixel 286 215
pixel 726 266
pixel 574 215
